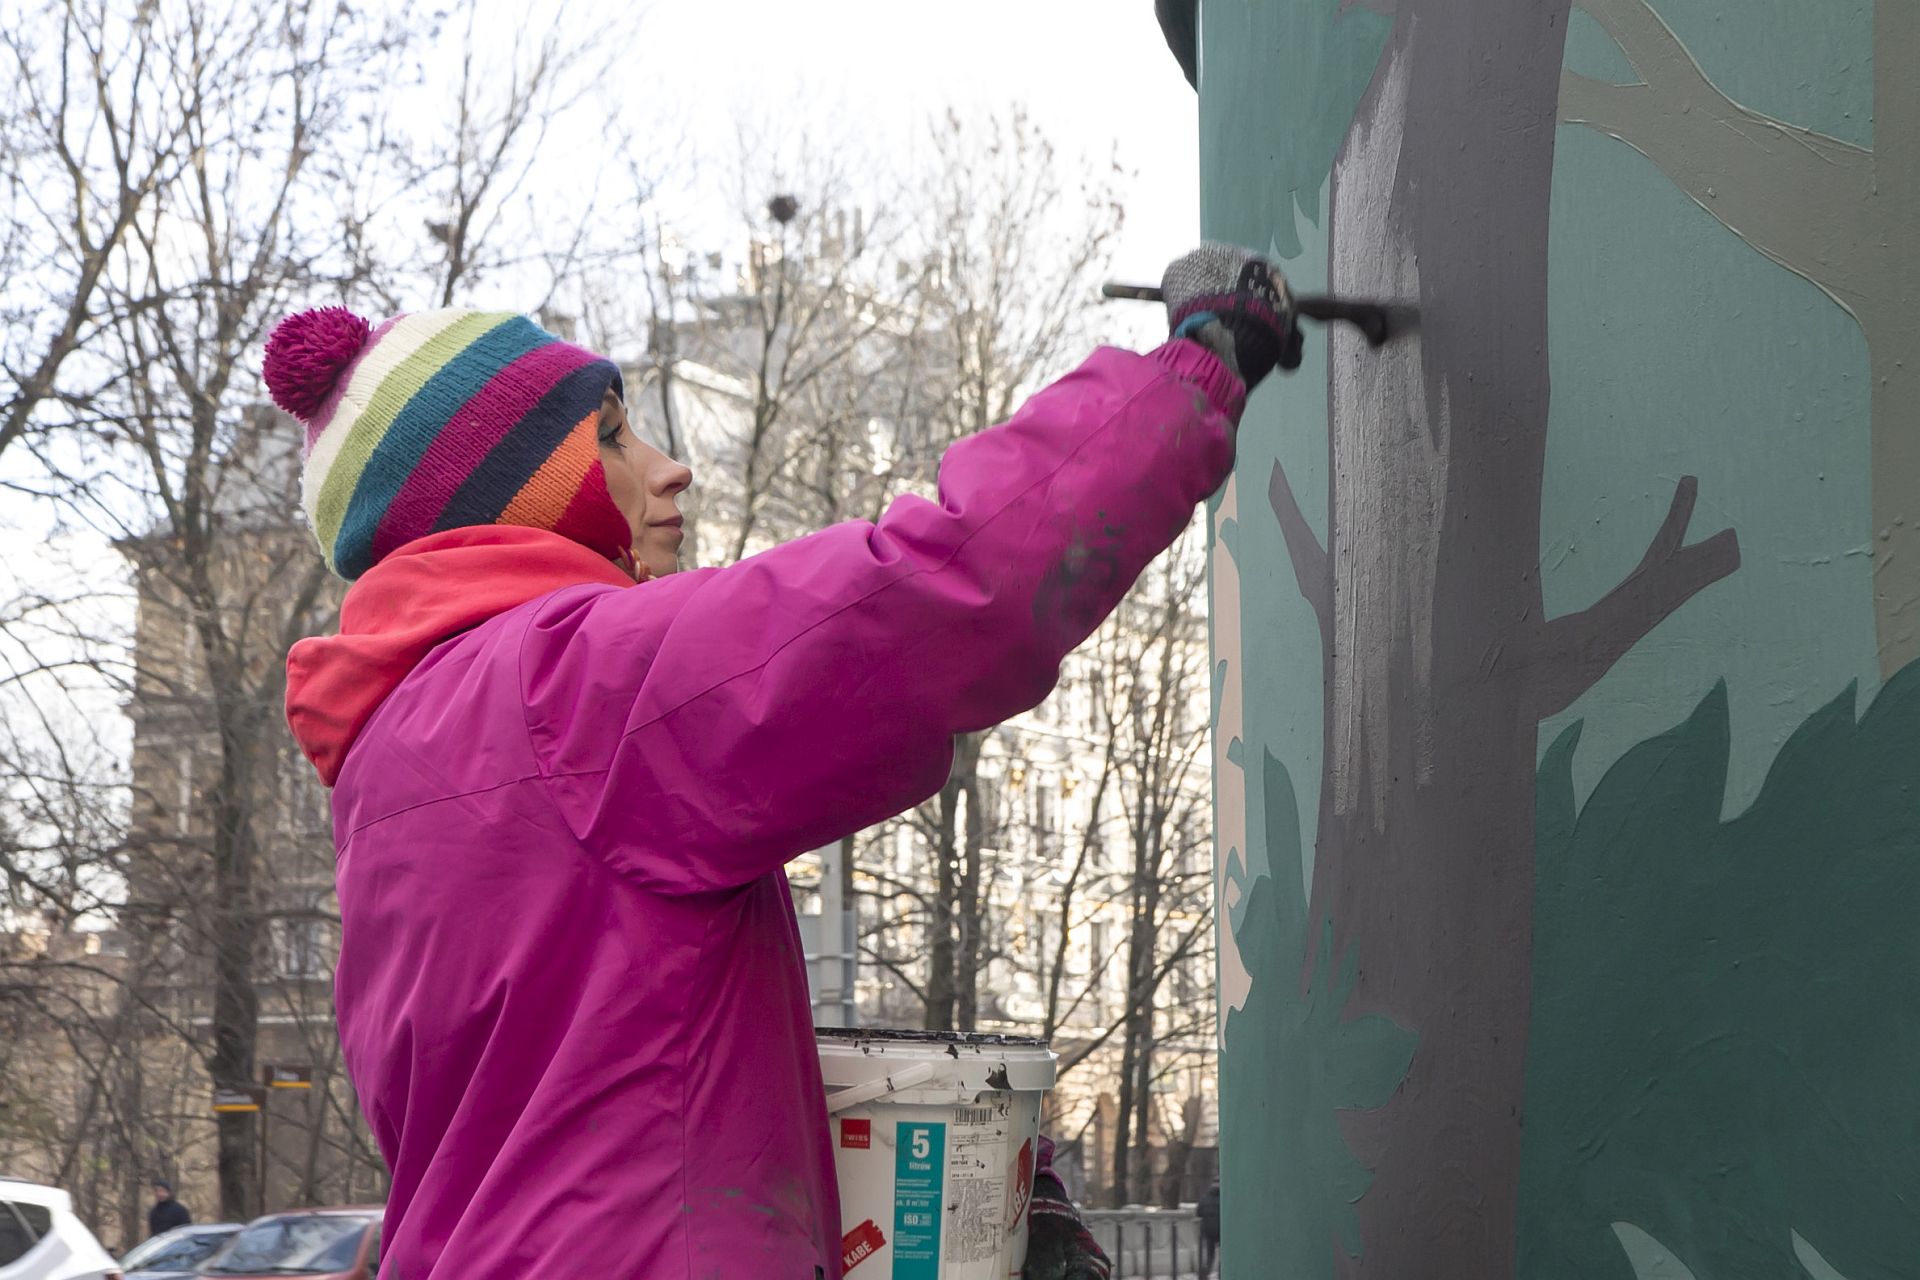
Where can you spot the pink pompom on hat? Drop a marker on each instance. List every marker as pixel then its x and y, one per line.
pixel 439 420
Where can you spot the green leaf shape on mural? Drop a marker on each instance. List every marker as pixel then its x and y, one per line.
pixel 1294 1062
pixel 1278 85
pixel 1724 1041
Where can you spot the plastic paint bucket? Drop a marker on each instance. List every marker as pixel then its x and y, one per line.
pixel 935 1135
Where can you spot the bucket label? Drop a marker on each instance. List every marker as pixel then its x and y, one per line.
pixel 860 1244
pixel 856 1135
pixel 919 1184
pixel 976 1185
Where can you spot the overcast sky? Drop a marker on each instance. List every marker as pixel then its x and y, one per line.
pixel 1093 74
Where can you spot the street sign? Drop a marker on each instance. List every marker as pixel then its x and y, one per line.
pixel 280 1076
pixel 247 1099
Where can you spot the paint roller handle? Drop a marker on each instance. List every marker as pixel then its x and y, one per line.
pixel 1377 321
pixel 905 1078
pixel 1371 318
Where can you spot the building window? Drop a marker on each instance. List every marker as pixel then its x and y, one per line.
pixel 1184 988
pixel 992 814
pixel 1046 815
pixel 309 807
pixel 183 801
pixel 303 946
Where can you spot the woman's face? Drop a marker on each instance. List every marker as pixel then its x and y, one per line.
pixel 646 485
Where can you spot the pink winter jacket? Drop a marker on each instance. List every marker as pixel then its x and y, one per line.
pixel 571 991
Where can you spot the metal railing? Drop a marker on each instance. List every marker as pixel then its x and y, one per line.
pixel 1148 1244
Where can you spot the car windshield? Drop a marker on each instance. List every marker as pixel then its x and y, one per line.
pixel 293 1245
pixel 172 1252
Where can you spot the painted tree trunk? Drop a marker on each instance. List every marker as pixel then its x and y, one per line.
pixel 1425 860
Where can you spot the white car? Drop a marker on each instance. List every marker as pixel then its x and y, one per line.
pixel 40 1239
pixel 173 1255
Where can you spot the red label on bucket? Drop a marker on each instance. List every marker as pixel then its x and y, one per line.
pixel 856 1134
pixel 860 1243
pixel 1020 1187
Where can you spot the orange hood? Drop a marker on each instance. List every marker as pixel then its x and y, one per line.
pixel 424 593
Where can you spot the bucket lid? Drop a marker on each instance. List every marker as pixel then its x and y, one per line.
pixel 960 1059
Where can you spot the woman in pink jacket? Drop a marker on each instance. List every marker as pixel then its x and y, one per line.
pixel 570 987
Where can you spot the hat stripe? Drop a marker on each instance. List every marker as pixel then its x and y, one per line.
pixel 431 409
pixel 468 436
pixel 379 359
pixel 403 379
pixel 527 444
pixel 554 485
pixel 331 405
pixel 593 519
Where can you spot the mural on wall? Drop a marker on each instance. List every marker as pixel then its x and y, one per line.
pixel 1723 1047
pixel 1842 216
pixel 1478 1024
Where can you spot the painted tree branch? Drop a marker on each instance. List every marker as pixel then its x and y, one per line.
pixel 1311 565
pixel 1576 650
pixel 1792 193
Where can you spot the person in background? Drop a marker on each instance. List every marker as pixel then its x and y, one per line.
pixel 1209 1210
pixel 167 1212
pixel 567 778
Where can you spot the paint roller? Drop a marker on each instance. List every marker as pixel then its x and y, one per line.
pixel 1378 322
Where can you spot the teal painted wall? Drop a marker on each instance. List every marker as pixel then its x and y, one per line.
pixel 1721 1028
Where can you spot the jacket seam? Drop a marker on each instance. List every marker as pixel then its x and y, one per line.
pixel 429 803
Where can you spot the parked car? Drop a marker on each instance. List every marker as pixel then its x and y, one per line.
pixel 324 1244
pixel 40 1239
pixel 174 1254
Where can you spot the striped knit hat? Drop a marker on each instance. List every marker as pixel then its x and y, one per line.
pixel 439 420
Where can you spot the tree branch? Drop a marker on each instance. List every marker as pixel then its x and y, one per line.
pixel 1792 193
pixel 1575 651
pixel 1311 565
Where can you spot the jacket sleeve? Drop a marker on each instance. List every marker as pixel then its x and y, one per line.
pixel 701 730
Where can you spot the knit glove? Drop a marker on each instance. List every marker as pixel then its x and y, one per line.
pixel 1059 1246
pixel 1236 304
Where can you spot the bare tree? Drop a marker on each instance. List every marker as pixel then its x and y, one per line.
pixel 240 128
pixel 1016 244
pixel 437 206
pixel 1135 860
pixel 1017 241
pixel 93 128
pixel 790 378
pixel 188 282
pixel 1156 711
